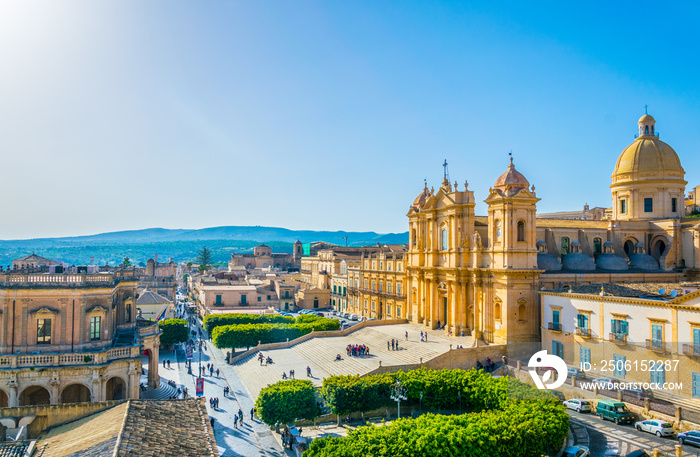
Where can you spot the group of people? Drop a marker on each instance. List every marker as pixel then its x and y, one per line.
pixel 393 345
pixel 424 336
pixel 489 366
pixel 261 357
pixel 291 374
pixel 166 363
pixel 357 349
pixel 214 402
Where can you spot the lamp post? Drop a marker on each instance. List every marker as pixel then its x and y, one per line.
pixel 398 393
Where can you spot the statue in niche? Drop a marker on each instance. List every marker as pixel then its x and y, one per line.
pixel 477 241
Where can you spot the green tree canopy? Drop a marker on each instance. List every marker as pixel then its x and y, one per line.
pixel 286 401
pixel 204 258
pixel 126 263
pixel 174 331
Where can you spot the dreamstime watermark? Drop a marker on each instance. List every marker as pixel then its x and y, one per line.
pixel 555 363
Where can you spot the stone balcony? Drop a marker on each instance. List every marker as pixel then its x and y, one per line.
pixel 54 280
pixel 68 359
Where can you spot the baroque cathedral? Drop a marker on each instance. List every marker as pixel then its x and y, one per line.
pixel 481 275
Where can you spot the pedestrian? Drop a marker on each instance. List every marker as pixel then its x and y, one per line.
pixel 252 413
pixel 211 421
pixel 387 345
pixel 217 372
pixel 406 335
pixel 426 337
pixel 235 421
pixel 421 335
pixel 163 363
pixel 240 415
pixel 211 402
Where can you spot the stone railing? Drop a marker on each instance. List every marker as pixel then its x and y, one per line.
pixel 58 279
pixel 65 359
pixel 149 330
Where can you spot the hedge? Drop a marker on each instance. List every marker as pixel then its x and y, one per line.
pixel 508 417
pixel 215 320
pixel 248 335
pixel 523 428
pixel 286 401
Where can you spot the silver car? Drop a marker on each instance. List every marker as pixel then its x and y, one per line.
pixel 657 427
pixel 578 405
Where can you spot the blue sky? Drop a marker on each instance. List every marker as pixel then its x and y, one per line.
pixel 326 115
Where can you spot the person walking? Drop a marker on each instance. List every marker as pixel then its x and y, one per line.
pixel 240 415
pixel 235 421
pixel 217 372
pixel 421 335
pixel 252 413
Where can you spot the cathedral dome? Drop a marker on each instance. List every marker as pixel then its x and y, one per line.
pixel 578 261
pixel 545 260
pixel 511 181
pixel 422 197
pixel 611 262
pixel 648 154
pixel 641 260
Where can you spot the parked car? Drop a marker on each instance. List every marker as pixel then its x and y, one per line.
pixel 353 317
pixel 576 451
pixel 691 437
pixel 615 411
pixel 557 393
pixel 640 392
pixel 638 453
pixel 578 405
pixel 657 427
pixel 571 372
pixel 344 315
pixel 605 382
pixel 334 312
pixel 345 325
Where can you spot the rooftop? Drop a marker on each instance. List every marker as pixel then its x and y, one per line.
pixel 632 290
pixel 136 427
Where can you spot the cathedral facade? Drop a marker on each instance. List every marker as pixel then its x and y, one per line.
pixel 482 275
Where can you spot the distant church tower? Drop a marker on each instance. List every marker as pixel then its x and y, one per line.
pixel 297 253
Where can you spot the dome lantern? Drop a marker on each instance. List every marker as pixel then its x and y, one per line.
pixel 646 126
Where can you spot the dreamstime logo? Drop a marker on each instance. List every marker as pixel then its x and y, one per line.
pixel 543 360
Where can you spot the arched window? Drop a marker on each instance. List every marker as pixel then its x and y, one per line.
pixel 597 245
pixel 497 228
pixel 564 245
pixel 521 230
pixel 521 312
pixel 646 129
pixel 414 238
pixel 497 311
pixel 629 247
pixel 445 243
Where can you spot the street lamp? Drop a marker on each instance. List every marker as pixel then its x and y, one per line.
pixel 398 393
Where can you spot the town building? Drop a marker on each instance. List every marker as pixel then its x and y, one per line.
pixel 68 338
pixel 263 258
pixel 376 284
pixel 618 330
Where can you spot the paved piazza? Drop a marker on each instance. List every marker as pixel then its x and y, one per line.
pixel 319 354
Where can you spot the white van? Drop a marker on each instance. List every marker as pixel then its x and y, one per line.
pixel 353 317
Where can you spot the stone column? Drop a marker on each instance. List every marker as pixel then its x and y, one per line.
pixel 13 397
pixel 453 294
pixel 134 372
pixel 96 382
pixel 54 384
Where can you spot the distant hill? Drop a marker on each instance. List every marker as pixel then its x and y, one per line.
pixel 181 244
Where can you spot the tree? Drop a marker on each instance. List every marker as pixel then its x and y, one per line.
pixel 286 401
pixel 204 257
pixel 189 266
pixel 174 331
pixel 126 263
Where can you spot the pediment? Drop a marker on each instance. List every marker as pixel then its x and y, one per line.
pixel 44 310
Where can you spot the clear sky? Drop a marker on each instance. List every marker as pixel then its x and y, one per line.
pixel 328 115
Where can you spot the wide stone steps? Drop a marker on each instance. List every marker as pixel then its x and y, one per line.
pixel 164 392
pixel 409 352
pixel 321 359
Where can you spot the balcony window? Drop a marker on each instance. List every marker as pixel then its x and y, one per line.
pixel 673 205
pixel 656 336
pixel 585 355
pixel 218 300
pixel 556 324
pixel 558 349
pixel 619 361
pixel 648 205
pixel 623 206
pixel 445 244
pixel 95 328
pixel 582 324
pixel 43 331
pixel 564 245
pixel 618 327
